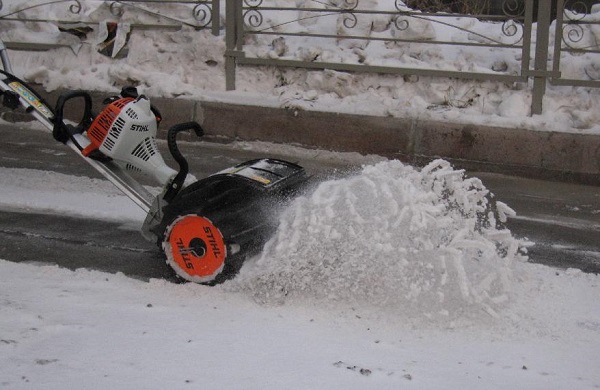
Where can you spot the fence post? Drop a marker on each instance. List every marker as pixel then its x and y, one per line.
pixel 233 9
pixel 541 57
pixel 560 10
pixel 216 18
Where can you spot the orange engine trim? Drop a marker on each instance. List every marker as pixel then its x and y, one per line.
pixel 195 248
pixel 102 123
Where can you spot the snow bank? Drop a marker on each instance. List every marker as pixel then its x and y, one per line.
pixel 421 244
pixel 190 63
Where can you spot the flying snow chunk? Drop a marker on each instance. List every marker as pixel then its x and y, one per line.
pixel 426 244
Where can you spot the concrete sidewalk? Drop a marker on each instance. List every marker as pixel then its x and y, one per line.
pixel 536 154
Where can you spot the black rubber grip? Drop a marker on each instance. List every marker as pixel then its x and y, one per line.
pixel 60 131
pixel 179 179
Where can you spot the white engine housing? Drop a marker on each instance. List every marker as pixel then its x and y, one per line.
pixel 126 132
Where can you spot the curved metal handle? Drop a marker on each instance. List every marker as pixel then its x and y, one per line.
pixel 177 183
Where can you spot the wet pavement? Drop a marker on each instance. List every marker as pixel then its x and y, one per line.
pixel 563 219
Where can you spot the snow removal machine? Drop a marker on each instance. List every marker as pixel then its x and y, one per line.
pixel 206 228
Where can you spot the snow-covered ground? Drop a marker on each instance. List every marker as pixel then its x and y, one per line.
pixel 339 298
pixel 190 64
pixel 390 278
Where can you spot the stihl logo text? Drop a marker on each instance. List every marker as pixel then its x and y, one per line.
pixel 140 128
pixel 214 246
pixel 185 254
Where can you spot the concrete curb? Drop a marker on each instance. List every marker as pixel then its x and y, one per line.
pixel 561 156
pixel 538 154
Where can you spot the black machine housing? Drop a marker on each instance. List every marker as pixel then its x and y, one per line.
pixel 243 202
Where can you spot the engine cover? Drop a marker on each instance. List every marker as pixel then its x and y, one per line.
pixel 126 132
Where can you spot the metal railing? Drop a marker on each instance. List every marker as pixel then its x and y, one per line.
pixel 511 30
pixel 140 14
pixel 250 16
pixel 575 28
pixel 265 33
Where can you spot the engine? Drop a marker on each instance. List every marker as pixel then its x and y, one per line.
pixel 126 132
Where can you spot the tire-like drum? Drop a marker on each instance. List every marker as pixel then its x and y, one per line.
pixel 195 248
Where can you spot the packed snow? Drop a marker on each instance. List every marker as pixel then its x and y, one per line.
pixel 190 64
pixel 389 277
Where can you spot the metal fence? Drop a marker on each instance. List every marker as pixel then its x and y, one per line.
pixel 579 35
pixel 511 30
pixel 139 14
pixel 536 33
pixel 250 20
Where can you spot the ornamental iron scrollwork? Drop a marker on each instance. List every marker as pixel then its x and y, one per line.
pixel 349 5
pixel 253 18
pixel 400 6
pixel 513 8
pixel 578 10
pixel 349 13
pixel 572 36
pixel 349 20
pixel 512 26
pixel 74 8
pixel 202 13
pixel 573 31
pixel 401 23
pixel 253 3
pixel 116 9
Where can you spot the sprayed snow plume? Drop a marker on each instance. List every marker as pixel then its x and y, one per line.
pixel 427 244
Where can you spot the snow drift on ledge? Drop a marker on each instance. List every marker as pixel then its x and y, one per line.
pixel 190 64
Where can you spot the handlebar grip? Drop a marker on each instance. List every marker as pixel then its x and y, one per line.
pixel 177 183
pixel 60 131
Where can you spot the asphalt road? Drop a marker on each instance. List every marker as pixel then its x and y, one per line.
pixel 562 219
